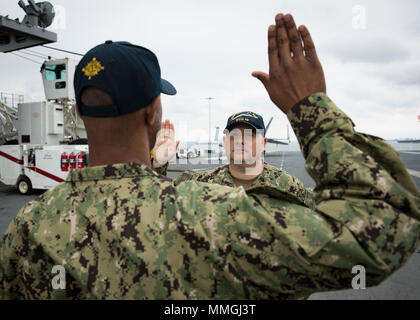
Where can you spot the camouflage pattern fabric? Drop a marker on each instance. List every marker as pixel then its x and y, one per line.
pixel 163 170
pixel 123 231
pixel 270 178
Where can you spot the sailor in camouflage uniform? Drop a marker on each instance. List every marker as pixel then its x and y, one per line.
pixel 244 144
pixel 120 230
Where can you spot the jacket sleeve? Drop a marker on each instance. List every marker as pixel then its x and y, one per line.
pixel 187 176
pixel 308 196
pixel 27 264
pixel 362 186
pixel 367 212
pixel 163 170
pixel 17 252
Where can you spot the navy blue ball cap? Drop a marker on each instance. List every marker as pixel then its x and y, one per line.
pixel 129 74
pixel 167 87
pixel 247 117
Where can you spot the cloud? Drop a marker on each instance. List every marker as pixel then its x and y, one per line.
pixel 407 74
pixel 209 48
pixel 367 50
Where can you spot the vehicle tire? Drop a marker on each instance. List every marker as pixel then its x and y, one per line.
pixel 24 185
pixel 177 156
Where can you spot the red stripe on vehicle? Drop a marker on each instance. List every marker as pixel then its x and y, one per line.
pixel 46 174
pixel 11 158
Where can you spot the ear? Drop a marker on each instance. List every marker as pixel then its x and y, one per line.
pixel 265 142
pixel 153 112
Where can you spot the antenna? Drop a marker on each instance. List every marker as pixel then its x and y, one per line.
pixel 217 134
pixel 209 98
pixel 268 125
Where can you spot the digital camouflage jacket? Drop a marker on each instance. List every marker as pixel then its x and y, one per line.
pixel 270 178
pixel 124 232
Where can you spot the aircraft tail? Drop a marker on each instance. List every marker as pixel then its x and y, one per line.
pixel 268 125
pixel 216 137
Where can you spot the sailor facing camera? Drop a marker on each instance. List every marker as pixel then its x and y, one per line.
pixel 244 142
pixel 119 230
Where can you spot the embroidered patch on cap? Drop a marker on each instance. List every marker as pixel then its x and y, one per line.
pixel 93 68
pixel 244 114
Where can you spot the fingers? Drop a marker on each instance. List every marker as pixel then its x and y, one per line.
pixel 282 40
pixel 167 130
pixel 263 77
pixel 164 124
pixel 171 130
pixel 294 37
pixel 273 53
pixel 309 46
pixel 160 133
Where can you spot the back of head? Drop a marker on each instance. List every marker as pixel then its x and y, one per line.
pixel 110 130
pixel 118 87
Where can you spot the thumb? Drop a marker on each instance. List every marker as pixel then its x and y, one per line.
pixel 263 77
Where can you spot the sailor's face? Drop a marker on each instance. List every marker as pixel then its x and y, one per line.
pixel 243 144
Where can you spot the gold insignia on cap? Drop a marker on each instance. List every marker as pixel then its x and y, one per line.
pixel 244 114
pixel 93 68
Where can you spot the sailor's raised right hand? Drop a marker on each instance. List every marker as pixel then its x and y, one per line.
pixel 291 77
pixel 165 146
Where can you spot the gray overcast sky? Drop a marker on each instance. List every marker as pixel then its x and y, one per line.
pixel 210 47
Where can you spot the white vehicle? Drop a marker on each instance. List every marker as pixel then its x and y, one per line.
pixel 40 150
pixel 38 140
pixel 209 149
pixel 202 149
pixel 187 153
pixel 31 167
